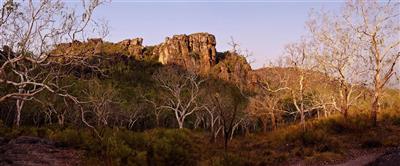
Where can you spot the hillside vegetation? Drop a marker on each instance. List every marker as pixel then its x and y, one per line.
pixel 182 102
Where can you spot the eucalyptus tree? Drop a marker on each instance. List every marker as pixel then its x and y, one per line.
pixel 29 31
pixel 182 93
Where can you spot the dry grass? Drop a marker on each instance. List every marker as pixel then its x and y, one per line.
pixel 326 141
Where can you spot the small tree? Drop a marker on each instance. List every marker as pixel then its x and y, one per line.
pixel 377 27
pixel 213 121
pixel 230 111
pixel 101 99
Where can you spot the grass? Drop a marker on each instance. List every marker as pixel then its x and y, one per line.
pixel 326 140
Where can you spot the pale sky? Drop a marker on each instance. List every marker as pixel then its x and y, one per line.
pixel 260 26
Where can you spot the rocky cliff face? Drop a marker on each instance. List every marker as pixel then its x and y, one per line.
pixel 195 50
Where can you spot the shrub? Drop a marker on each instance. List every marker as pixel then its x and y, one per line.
pixel 396 121
pixel 309 138
pixel 231 160
pixel 371 143
pixel 116 150
pixel 171 147
pixel 324 157
pixel 67 137
pixel 334 125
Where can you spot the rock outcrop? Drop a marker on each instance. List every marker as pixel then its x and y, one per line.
pixel 32 151
pixel 133 46
pixel 195 50
pixel 232 67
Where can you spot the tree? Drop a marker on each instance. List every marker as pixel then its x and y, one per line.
pixel 229 107
pixel 337 53
pixel 299 57
pixel 271 87
pixel 214 121
pixel 182 92
pixel 101 99
pixel 28 32
pixel 377 27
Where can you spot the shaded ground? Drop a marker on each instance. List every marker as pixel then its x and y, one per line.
pixel 377 157
pixel 390 158
pixel 33 151
pixel 362 160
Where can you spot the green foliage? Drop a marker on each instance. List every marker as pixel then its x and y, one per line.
pixel 124 147
pixel 171 147
pixel 113 49
pixel 396 121
pixel 338 125
pixel 69 137
pixel 230 159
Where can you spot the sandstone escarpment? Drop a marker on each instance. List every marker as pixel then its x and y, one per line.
pixel 195 50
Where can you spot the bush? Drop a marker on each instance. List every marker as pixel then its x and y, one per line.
pixel 395 120
pixel 124 147
pixel 371 143
pixel 310 138
pixel 339 125
pixel 231 160
pixel 68 137
pixel 171 147
pixel 334 125
pixel 325 157
pixel 116 151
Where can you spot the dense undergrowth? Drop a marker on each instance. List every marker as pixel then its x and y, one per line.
pixel 324 140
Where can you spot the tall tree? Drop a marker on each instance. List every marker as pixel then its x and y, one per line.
pixel 299 57
pixel 337 53
pixel 377 27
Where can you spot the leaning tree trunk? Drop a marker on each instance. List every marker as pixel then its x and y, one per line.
pixel 19 105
